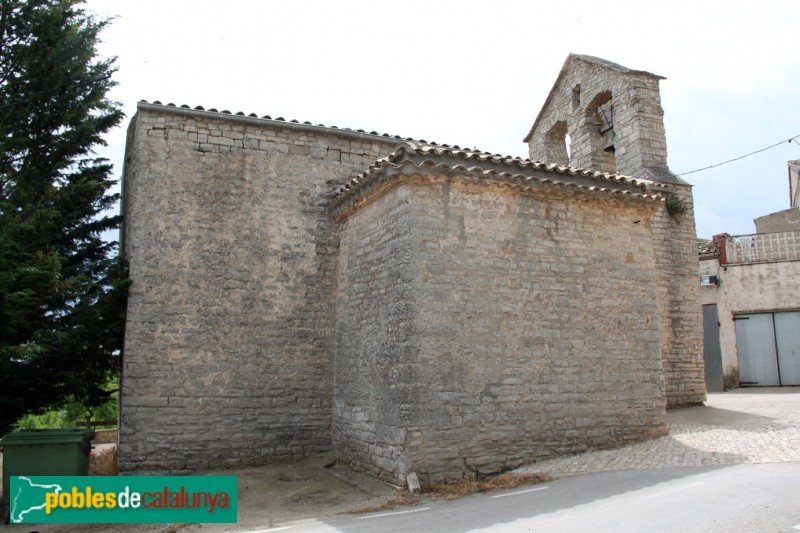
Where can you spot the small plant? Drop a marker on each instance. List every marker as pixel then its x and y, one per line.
pixel 501 481
pixel 675 204
pixel 455 491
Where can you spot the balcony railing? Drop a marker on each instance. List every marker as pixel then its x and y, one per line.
pixel 763 247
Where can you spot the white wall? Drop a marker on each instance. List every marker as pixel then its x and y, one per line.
pixel 747 289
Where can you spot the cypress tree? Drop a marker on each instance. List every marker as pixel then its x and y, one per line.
pixel 62 287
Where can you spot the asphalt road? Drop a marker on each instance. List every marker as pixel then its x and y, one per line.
pixel 740 498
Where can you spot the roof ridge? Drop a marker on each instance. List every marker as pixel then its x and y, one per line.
pixel 396 160
pixel 525 162
pixel 616 66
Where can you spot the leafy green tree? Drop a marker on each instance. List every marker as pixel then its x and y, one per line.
pixel 63 288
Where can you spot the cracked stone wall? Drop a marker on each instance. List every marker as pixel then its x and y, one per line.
pixel 480 327
pixel 230 318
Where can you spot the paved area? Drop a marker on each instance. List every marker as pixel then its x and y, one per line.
pixel 753 425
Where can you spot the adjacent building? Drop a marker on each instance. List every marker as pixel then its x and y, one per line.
pixel 750 290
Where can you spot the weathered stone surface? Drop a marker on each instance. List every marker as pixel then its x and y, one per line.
pixel 679 303
pixel 480 327
pixel 583 91
pixel 230 322
pixel 447 326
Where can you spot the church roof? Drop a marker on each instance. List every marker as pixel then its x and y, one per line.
pixel 267 120
pixel 410 157
pixel 429 155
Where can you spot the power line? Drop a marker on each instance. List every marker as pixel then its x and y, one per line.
pixel 789 140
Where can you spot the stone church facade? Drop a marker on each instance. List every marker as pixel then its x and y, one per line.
pixel 410 306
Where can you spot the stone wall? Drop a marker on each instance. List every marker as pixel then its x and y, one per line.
pixel 436 324
pixel 679 302
pixel 375 364
pixel 230 321
pixel 480 327
pixel 586 83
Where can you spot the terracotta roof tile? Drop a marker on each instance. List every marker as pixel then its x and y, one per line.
pixel 385 136
pixel 427 154
pixel 707 247
pixel 410 156
pixel 227 113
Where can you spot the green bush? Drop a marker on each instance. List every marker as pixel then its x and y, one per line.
pixel 68 416
pixel 675 205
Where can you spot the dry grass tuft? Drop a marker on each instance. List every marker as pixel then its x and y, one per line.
pixel 404 498
pixel 455 491
pixel 502 481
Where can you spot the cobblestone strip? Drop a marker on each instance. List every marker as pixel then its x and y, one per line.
pixel 707 444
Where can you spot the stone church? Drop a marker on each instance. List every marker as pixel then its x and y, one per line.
pixel 409 306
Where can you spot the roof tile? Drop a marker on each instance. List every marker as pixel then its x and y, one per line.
pixel 424 153
pixel 293 121
pixel 707 247
pixel 411 155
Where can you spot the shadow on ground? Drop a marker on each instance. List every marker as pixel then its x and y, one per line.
pixel 704 414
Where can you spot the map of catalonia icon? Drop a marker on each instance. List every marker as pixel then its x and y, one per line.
pixel 123 499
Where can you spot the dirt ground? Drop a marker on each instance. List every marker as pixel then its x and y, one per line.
pixel 268 495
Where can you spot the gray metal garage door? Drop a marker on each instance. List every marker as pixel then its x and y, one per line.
pixel 712 355
pixel 787 331
pixel 769 348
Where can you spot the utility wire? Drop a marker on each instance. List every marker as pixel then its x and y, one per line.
pixel 789 140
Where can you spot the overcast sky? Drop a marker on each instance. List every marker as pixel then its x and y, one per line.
pixel 476 73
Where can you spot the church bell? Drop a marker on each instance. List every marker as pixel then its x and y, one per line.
pixel 610 138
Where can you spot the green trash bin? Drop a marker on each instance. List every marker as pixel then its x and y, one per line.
pixel 45 452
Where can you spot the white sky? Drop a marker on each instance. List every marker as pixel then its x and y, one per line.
pixel 476 73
